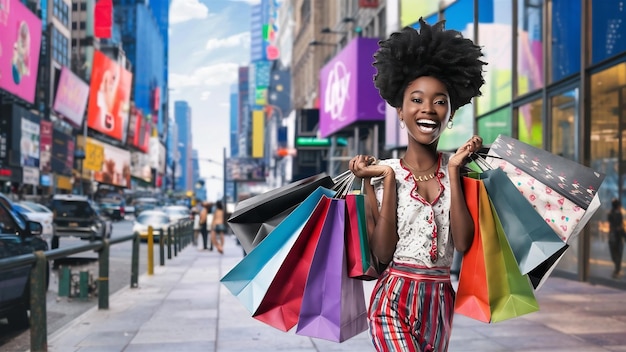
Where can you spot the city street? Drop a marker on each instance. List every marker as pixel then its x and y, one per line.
pixel 62 310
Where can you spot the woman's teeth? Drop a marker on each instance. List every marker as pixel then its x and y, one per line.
pixel 426 126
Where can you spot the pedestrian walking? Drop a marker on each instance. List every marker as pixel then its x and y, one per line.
pixel 206 219
pixel 418 212
pixel 616 236
pixel 218 227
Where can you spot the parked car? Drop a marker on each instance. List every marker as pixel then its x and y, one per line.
pixel 158 219
pixel 78 216
pixel 178 212
pixel 39 213
pixel 115 209
pixel 18 236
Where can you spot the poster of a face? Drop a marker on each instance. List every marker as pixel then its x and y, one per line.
pixel 109 97
pixel 19 49
pixel 29 143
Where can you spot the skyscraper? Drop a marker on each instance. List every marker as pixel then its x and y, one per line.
pixel 182 116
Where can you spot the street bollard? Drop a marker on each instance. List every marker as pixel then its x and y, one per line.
pixel 38 315
pixel 83 285
pixel 175 234
pixel 169 242
pixel 161 248
pixel 134 269
pixel 65 279
pixel 150 250
pixel 103 277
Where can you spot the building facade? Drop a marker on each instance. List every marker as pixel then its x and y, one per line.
pixel 182 116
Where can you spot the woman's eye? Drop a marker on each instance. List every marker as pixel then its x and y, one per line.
pixel 440 102
pixel 416 100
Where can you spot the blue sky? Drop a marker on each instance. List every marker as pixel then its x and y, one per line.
pixel 208 41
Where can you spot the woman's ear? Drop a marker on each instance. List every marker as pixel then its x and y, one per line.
pixel 399 111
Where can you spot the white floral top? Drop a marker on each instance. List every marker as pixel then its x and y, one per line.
pixel 423 229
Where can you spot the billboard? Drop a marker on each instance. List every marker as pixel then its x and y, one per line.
pixel 140 166
pixel 109 164
pixel 347 91
pixel 62 155
pixel 45 145
pixel 29 142
pixel 71 97
pixel 109 97
pixel 139 130
pixel 20 42
pixel 245 169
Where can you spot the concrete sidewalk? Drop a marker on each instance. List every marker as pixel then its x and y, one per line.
pixel 183 307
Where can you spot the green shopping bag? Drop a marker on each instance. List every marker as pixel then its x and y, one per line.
pixel 510 293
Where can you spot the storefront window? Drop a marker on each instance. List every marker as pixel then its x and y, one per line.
pixel 608 133
pixel 608 23
pixel 564 122
pixel 494 124
pixel 565 38
pixel 495 36
pixel 530 124
pixel 530 46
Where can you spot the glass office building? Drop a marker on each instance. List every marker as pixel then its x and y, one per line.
pixel 555 79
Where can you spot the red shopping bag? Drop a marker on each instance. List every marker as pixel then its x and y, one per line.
pixel 472 298
pixel 280 306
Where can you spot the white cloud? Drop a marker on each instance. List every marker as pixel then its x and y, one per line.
pixel 205 95
pixel 250 2
pixel 214 75
pixel 185 10
pixel 237 40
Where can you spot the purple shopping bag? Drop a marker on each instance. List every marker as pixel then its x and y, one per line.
pixel 333 304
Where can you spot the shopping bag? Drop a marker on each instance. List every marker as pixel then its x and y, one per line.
pixel 472 297
pixel 333 305
pixel 251 277
pixel 255 217
pixel 531 239
pixel 510 292
pixel 361 262
pixel 560 190
pixel 280 306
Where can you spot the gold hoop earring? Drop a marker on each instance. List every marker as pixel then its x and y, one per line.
pixel 402 124
pixel 450 124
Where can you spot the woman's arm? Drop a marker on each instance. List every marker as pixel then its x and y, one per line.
pixel 461 223
pixel 382 224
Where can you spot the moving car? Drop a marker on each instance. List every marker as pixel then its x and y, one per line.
pixel 39 213
pixel 158 219
pixel 113 208
pixel 18 236
pixel 144 203
pixel 178 212
pixel 78 216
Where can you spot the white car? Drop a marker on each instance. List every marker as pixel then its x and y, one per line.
pixel 158 219
pixel 177 212
pixel 39 213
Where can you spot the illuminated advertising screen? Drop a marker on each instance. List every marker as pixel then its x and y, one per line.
pixel 62 153
pixel 245 169
pixel 347 91
pixel 20 40
pixel 109 97
pixel 45 145
pixel 140 166
pixel 109 164
pixel 71 98
pixel 139 130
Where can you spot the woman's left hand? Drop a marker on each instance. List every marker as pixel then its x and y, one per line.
pixel 460 157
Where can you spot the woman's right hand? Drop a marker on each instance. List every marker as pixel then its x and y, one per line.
pixel 366 166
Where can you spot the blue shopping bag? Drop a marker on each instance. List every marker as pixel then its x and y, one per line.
pixel 250 279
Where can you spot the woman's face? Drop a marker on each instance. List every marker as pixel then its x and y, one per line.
pixel 425 109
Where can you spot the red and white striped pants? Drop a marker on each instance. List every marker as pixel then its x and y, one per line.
pixel 411 309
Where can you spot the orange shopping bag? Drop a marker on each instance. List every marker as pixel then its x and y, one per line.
pixel 472 298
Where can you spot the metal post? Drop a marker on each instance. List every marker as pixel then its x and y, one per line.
pixel 161 248
pixel 103 278
pixel 175 233
pixel 224 197
pixel 134 270
pixel 150 250
pixel 38 318
pixel 65 279
pixel 83 285
pixel 169 242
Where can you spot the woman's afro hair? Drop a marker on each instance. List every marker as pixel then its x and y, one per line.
pixel 433 51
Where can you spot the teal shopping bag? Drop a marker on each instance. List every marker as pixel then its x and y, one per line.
pixel 532 240
pixel 250 279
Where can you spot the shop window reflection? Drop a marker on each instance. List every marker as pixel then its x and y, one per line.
pixel 608 119
pixel 564 122
pixel 530 127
